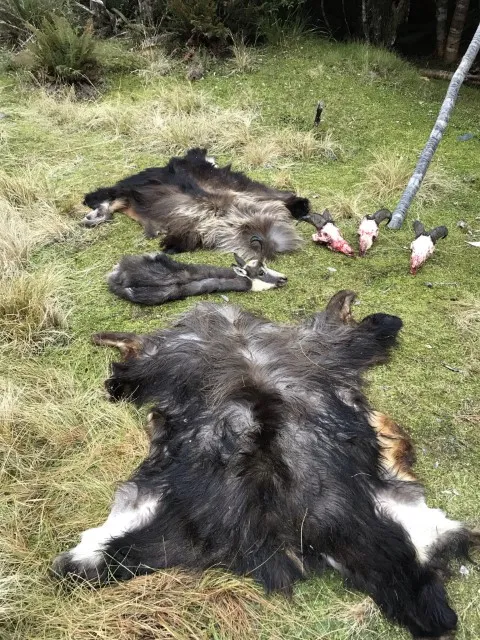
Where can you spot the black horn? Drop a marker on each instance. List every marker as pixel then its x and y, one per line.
pixel 381 215
pixel 437 233
pixel 257 244
pixel 418 228
pixel 319 220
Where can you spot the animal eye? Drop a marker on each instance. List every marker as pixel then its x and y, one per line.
pixel 261 272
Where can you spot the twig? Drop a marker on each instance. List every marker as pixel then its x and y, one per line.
pixel 454 369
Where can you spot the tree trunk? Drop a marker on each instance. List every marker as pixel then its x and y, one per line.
pixel 442 14
pixel 456 30
pixel 381 19
pixel 440 125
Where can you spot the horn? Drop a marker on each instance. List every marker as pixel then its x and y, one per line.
pixel 381 215
pixel 438 233
pixel 327 216
pixel 318 220
pixel 257 240
pixel 418 228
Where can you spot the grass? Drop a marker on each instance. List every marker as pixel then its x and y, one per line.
pixel 63 447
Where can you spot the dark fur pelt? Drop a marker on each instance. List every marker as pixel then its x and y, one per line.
pixel 194 204
pixel 156 278
pixel 263 459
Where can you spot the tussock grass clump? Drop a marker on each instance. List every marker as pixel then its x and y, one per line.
pixel 16 241
pixel 26 187
pixel 219 130
pixel 61 53
pixel 389 173
pixel 347 206
pixel 23 232
pixel 467 317
pixel 28 216
pixel 284 180
pixel 288 143
pixel 156 65
pixel 31 311
pixel 243 57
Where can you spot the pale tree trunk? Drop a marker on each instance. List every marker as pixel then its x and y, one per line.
pixel 437 132
pixel 442 14
pixel 456 30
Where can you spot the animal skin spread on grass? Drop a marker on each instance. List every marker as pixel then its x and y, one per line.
pixel 67 447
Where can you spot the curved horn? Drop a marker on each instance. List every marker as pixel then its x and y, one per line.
pixel 257 240
pixel 318 220
pixel 381 215
pixel 418 228
pixel 437 233
pixel 327 216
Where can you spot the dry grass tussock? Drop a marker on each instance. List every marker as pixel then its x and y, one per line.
pixel 389 173
pixel 347 206
pixel 180 116
pixel 244 57
pixel 31 312
pixel 32 309
pixel 23 232
pixel 467 317
pixel 267 148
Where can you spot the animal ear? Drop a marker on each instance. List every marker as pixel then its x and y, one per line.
pixel 241 272
pixel 240 261
pixel 339 307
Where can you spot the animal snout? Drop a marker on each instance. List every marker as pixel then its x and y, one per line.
pixel 281 282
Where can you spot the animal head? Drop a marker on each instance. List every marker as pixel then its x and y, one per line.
pixel 327 232
pixel 256 270
pixel 424 244
pixel 368 229
pixel 277 235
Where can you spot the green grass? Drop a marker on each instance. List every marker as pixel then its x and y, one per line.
pixel 64 446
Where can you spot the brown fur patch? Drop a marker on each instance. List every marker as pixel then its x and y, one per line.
pixel 340 306
pixel 396 445
pixel 128 344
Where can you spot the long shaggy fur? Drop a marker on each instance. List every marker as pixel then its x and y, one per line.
pixel 194 204
pixel 266 459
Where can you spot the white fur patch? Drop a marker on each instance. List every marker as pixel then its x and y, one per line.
pixel 274 274
pixel 211 160
pixel 424 525
pixel 127 514
pixel 368 227
pixel 423 246
pixel 260 285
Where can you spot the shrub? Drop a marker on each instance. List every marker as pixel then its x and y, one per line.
pixel 17 17
pixel 61 53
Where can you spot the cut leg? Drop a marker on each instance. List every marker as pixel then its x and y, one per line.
pixel 92 559
pixel 129 344
pixel 339 307
pixel 104 212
